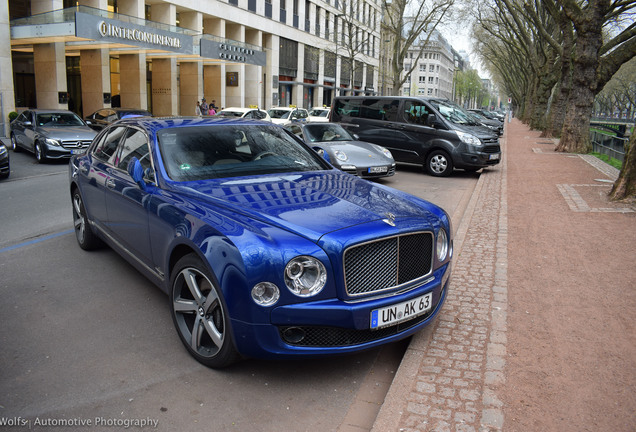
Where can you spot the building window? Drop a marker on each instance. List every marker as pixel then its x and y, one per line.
pixel 431 68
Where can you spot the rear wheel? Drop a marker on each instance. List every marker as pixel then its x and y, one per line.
pixel 86 239
pixel 199 314
pixel 439 164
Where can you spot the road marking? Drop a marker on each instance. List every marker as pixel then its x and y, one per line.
pixel 37 240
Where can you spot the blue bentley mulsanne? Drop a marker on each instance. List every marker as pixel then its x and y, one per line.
pixel 264 249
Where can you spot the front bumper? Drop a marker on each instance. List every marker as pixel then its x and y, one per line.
pixel 331 327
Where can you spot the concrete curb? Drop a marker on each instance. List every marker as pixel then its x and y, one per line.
pixel 390 414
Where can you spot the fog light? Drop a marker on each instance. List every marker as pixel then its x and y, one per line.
pixel 265 293
pixel 293 335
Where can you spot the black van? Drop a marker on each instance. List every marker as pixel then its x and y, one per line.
pixel 427 131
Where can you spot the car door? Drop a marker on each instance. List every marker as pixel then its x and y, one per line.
pixel 94 172
pixel 19 125
pixel 126 201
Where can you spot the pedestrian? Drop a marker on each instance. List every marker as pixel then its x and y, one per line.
pixel 212 111
pixel 213 105
pixel 197 110
pixel 204 107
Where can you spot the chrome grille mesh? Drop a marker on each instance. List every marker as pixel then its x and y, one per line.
pixel 387 263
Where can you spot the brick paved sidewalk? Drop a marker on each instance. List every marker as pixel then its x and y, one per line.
pixel 452 376
pixel 448 376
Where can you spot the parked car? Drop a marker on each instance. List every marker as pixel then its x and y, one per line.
pixel 419 130
pixel 318 114
pixel 248 113
pixel 264 249
pixel 105 116
pixel 5 168
pixel 344 151
pixel 492 124
pixel 286 115
pixel 50 134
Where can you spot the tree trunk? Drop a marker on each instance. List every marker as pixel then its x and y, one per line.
pixel 575 135
pixel 625 185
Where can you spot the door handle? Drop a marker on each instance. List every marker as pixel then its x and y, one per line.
pixel 110 183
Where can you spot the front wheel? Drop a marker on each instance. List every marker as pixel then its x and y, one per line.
pixel 200 315
pixel 14 144
pixel 40 156
pixel 439 164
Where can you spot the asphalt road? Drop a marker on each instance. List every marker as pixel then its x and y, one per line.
pixel 88 343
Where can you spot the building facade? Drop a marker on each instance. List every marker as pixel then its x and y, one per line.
pixel 434 69
pixel 165 55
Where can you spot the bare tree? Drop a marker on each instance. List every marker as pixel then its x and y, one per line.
pixel 410 24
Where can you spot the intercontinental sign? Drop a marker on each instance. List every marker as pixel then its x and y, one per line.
pixel 121 32
pixel 103 29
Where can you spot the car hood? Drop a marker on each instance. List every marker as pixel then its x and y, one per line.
pixel 309 204
pixel 68 133
pixel 356 151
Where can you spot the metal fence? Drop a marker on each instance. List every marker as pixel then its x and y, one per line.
pixel 611 146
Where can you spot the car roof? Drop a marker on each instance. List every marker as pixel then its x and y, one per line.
pixel 46 111
pixel 241 109
pixel 155 124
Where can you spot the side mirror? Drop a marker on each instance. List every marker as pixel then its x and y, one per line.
pixel 136 171
pixel 356 137
pixel 321 152
pixel 431 120
pixel 27 123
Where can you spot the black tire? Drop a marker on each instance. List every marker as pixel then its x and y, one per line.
pixel 40 155
pixel 199 314
pixel 14 144
pixel 84 234
pixel 439 164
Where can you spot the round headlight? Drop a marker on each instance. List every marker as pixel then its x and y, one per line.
pixel 265 293
pixel 442 245
pixel 341 156
pixel 305 276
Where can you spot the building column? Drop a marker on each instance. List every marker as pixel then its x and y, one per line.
pixel 254 74
pixel 49 63
pixel 299 89
pixel 190 72
pixel 214 75
pixel 235 95
pixel 271 45
pixel 95 69
pixel 164 70
pixel 132 90
pixel 7 94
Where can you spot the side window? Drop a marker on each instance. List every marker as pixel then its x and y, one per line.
pixel 390 110
pixel 135 144
pixel 415 112
pixel 259 114
pixel 346 107
pixel 105 149
pixel 24 116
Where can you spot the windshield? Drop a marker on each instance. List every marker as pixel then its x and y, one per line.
pixel 452 112
pixel 58 119
pixel 279 113
pixel 217 151
pixel 319 112
pixel 326 132
pixel 226 113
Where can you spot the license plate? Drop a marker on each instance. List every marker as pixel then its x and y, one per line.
pixel 400 312
pixel 375 170
pixel 78 151
pixel 494 156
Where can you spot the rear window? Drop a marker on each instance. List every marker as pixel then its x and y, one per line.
pixel 368 108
